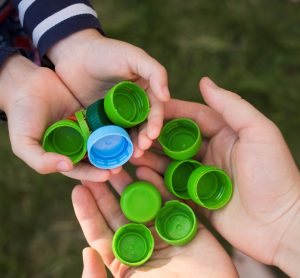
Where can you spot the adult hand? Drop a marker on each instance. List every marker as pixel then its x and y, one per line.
pixel 264 212
pixel 93 266
pixel 99 214
pixel 89 64
pixel 33 98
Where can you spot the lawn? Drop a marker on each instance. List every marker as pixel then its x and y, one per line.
pixel 251 47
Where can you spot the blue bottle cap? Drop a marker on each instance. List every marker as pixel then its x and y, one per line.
pixel 109 147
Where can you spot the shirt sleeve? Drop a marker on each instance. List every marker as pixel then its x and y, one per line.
pixel 49 21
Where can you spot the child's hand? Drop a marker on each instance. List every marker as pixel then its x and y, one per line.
pixel 264 213
pixel 89 64
pixel 33 98
pixel 99 214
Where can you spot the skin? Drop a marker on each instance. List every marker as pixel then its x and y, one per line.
pixel 264 213
pixel 99 214
pixel 86 65
pixel 89 64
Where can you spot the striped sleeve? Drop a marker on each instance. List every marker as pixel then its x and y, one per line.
pixel 48 21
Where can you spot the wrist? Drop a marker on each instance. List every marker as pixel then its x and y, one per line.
pixel 67 46
pixel 288 254
pixel 15 71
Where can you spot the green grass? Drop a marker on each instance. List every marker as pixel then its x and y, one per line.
pixel 251 47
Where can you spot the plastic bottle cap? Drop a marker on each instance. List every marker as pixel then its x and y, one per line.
pixel 81 119
pixel 109 147
pixel 180 138
pixel 96 116
pixel 177 176
pixel 65 137
pixel 140 201
pixel 210 187
pixel 176 223
pixel 133 244
pixel 126 104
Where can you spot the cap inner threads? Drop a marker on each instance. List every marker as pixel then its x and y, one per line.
pixel 210 187
pixel 109 147
pixel 179 140
pixel 177 226
pixel 110 150
pixel 132 246
pixel 130 102
pixel 176 223
pixel 181 176
pixel 126 104
pixel 66 140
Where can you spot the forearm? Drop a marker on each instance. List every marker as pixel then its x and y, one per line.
pixel 51 21
pixel 67 46
pixel 288 255
pixel 14 71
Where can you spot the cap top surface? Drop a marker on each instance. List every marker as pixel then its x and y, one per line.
pixel 140 202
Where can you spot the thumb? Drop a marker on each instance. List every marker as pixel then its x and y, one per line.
pixel 237 112
pixel 93 266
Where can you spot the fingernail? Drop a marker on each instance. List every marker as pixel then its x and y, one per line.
pixel 152 134
pixel 210 83
pixel 138 153
pixel 63 166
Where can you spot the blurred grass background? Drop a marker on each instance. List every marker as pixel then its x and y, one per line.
pixel 251 47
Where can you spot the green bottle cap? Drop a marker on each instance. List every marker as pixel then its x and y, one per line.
pixel 133 244
pixel 180 138
pixel 65 137
pixel 140 201
pixel 96 116
pixel 176 223
pixel 177 176
pixel 81 119
pixel 126 104
pixel 210 187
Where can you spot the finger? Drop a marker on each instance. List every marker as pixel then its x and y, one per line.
pixel 85 171
pixel 237 112
pixel 107 204
pixel 209 121
pixel 92 223
pixel 137 152
pixel 148 68
pixel 144 141
pixel 204 146
pixel 120 181
pixel 29 150
pixel 116 170
pixel 155 117
pixel 147 174
pixel 157 162
pixel 93 266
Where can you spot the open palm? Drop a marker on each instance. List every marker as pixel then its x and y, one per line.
pixel 89 64
pixel 37 100
pixel 240 140
pixel 98 212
